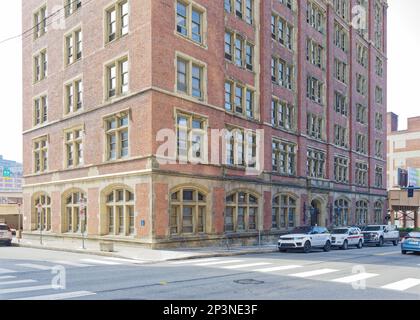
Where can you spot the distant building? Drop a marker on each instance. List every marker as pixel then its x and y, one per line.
pixel 10 192
pixel 403 152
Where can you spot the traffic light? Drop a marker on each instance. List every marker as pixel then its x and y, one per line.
pixel 411 192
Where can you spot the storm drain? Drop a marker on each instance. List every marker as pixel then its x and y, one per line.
pixel 248 281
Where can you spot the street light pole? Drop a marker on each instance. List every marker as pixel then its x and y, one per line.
pixel 83 219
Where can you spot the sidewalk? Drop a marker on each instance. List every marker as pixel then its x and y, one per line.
pixel 143 254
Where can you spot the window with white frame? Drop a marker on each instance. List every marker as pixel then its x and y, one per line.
pixel 341 212
pixel 315 17
pixel 378 25
pixel 379 95
pixel 239 99
pixel 241 212
pixel 72 6
pixel 316 163
pixel 191 132
pixel 315 53
pixel 40 154
pixel 117 20
pixel 282 73
pixel 40 22
pixel 341 37
pixel 117 138
pixel 43 213
pixel 243 9
pixel 379 175
pixel 74 96
pixel 362 55
pixel 340 136
pixel 40 110
pixel 361 178
pixel 240 147
pixel 361 213
pixel 361 114
pixel 315 90
pixel 340 103
pixel 379 67
pixel 74 46
pixel 190 21
pixel 361 84
pixel 74 147
pixel 40 66
pixel 379 149
pixel 315 126
pixel 188 212
pixel 340 71
pixel 379 121
pixel 282 31
pixel 341 7
pixel 378 216
pixel 239 51
pixel 190 78
pixel 361 143
pixel 117 76
pixel 341 169
pixel 72 220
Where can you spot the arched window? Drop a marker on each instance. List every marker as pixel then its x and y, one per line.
pixel 361 213
pixel 188 212
pixel 241 212
pixel 341 211
pixel 43 215
pixel 378 213
pixel 120 212
pixel 283 212
pixel 72 219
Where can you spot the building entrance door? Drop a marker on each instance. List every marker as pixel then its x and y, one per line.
pixel 315 213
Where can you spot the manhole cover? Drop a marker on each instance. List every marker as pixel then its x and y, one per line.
pixel 248 281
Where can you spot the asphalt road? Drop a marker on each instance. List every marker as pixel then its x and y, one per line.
pixel 368 273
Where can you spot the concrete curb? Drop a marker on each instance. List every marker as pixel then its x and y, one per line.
pixel 115 255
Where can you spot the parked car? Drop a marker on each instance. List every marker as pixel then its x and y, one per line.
pixel 380 234
pixel 347 236
pixel 306 238
pixel 411 243
pixel 5 234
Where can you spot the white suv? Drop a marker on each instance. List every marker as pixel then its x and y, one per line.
pixel 347 236
pixel 5 234
pixel 306 238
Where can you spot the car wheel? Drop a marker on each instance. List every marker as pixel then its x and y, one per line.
pixel 345 245
pixel 403 251
pixel 307 247
pixel 327 246
pixel 395 243
pixel 381 242
pixel 360 244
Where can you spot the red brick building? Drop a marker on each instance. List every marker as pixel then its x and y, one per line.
pixel 108 83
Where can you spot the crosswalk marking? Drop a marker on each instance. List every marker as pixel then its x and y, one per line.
pixel 2 271
pixel 239 266
pixel 73 264
pixel 126 260
pixel 313 273
pixel 356 277
pixel 7 277
pixel 217 263
pixel 35 266
pixel 100 262
pixel 8 283
pixel 272 269
pixel 60 296
pixel 403 284
pixel 25 289
pixel 195 261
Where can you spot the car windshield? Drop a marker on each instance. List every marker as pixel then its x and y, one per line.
pixel 340 231
pixel 372 228
pixel 3 227
pixel 414 235
pixel 303 230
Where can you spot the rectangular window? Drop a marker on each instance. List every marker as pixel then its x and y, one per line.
pixel 341 37
pixel 243 9
pixel 282 73
pixel 40 66
pixel 74 147
pixel 379 68
pixel 117 20
pixel 191 133
pixel 315 17
pixel 340 103
pixel 361 84
pixel 228 46
pixel 362 55
pixel 282 31
pixel 379 173
pixel 72 6
pixel 74 96
pixel 240 147
pixel 361 174
pixel 379 149
pixel 117 137
pixel 340 71
pixel 190 78
pixel 314 53
pixel 117 78
pixel 379 122
pixel 40 110
pixel 340 136
pixel 341 7
pixel 379 95
pixel 361 143
pixel 361 114
pixel 316 163
pixel 40 152
pixel 190 21
pixel 242 98
pixel 315 126
pixel 284 157
pixel 73 46
pixel 40 22
pixel 341 169
pixel 283 115
pixel 315 90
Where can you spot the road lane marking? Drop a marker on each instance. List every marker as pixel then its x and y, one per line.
pixel 403 284
pixel 6 271
pixel 26 289
pixel 6 283
pixel 60 296
pixel 356 277
pixel 195 261
pixel 94 261
pixel 217 262
pixel 239 266
pixel 35 266
pixel 387 253
pixel 7 277
pixel 73 264
pixel 313 273
pixel 272 269
pixel 126 260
